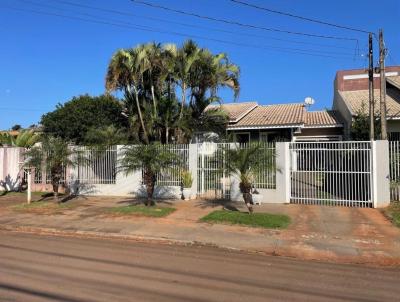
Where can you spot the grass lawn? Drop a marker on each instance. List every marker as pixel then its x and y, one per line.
pixel 140 210
pixel 263 220
pixel 393 212
pixel 43 207
pixel 12 193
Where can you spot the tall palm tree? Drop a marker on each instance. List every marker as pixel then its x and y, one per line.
pixel 153 72
pixel 124 74
pixel 184 58
pixel 152 67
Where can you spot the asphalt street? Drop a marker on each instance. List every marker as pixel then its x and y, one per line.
pixel 50 268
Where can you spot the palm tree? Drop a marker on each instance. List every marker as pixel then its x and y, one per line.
pixel 183 58
pixel 124 74
pixel 153 72
pixel 24 139
pixel 211 72
pixel 55 155
pixel 246 162
pixel 152 67
pixel 152 158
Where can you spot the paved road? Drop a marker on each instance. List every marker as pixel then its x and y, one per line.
pixel 45 268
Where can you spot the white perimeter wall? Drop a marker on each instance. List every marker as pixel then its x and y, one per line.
pixel 9 168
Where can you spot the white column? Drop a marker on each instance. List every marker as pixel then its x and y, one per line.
pixel 193 158
pixel 380 174
pixel 283 172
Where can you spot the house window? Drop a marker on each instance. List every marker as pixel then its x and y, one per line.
pixel 242 137
pixel 264 137
pixel 271 137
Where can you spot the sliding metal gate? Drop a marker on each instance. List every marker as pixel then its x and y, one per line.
pixel 213 182
pixel 331 173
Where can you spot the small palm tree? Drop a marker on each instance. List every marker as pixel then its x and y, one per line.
pixel 246 162
pixel 55 155
pixel 24 139
pixel 152 158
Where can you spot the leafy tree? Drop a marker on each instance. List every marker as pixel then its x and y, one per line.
pixel 24 139
pixel 55 154
pixel 361 125
pixel 245 162
pixel 72 120
pixel 105 136
pixel 152 159
pixel 16 127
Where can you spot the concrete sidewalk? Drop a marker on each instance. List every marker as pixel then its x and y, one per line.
pixel 345 235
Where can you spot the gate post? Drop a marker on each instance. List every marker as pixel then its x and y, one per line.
pixel 380 174
pixel 193 165
pixel 283 163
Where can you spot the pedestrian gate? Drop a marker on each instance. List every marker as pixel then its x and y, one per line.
pixel 331 173
pixel 213 181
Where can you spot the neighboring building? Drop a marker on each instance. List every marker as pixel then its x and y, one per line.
pixel 351 97
pixel 284 122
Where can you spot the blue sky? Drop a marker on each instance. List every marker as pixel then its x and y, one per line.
pixel 45 60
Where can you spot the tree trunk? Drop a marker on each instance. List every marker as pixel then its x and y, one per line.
pixel 183 99
pixel 245 189
pixel 166 134
pixel 146 138
pixel 149 179
pixel 154 100
pixel 55 190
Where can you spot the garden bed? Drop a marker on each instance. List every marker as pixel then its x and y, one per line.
pixel 43 207
pixel 393 213
pixel 262 220
pixel 140 210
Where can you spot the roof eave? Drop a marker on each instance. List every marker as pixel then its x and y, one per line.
pixel 323 126
pixel 259 127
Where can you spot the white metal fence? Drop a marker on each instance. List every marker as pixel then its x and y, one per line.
pixel 213 159
pixel 96 165
pixel 331 173
pixel 172 177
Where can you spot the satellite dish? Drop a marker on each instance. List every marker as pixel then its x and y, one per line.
pixel 309 101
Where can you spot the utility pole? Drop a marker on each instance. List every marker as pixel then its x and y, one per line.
pixel 371 89
pixel 382 53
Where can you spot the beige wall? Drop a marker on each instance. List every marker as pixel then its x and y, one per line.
pixel 344 113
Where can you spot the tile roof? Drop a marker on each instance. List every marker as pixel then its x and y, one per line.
pixel 357 101
pixel 273 115
pixel 394 81
pixel 235 110
pixel 322 118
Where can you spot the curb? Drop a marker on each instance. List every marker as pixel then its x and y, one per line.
pixel 102 235
pixel 387 262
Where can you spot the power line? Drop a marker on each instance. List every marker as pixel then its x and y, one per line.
pixel 232 22
pixel 308 52
pixel 20 109
pixel 122 13
pixel 299 17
